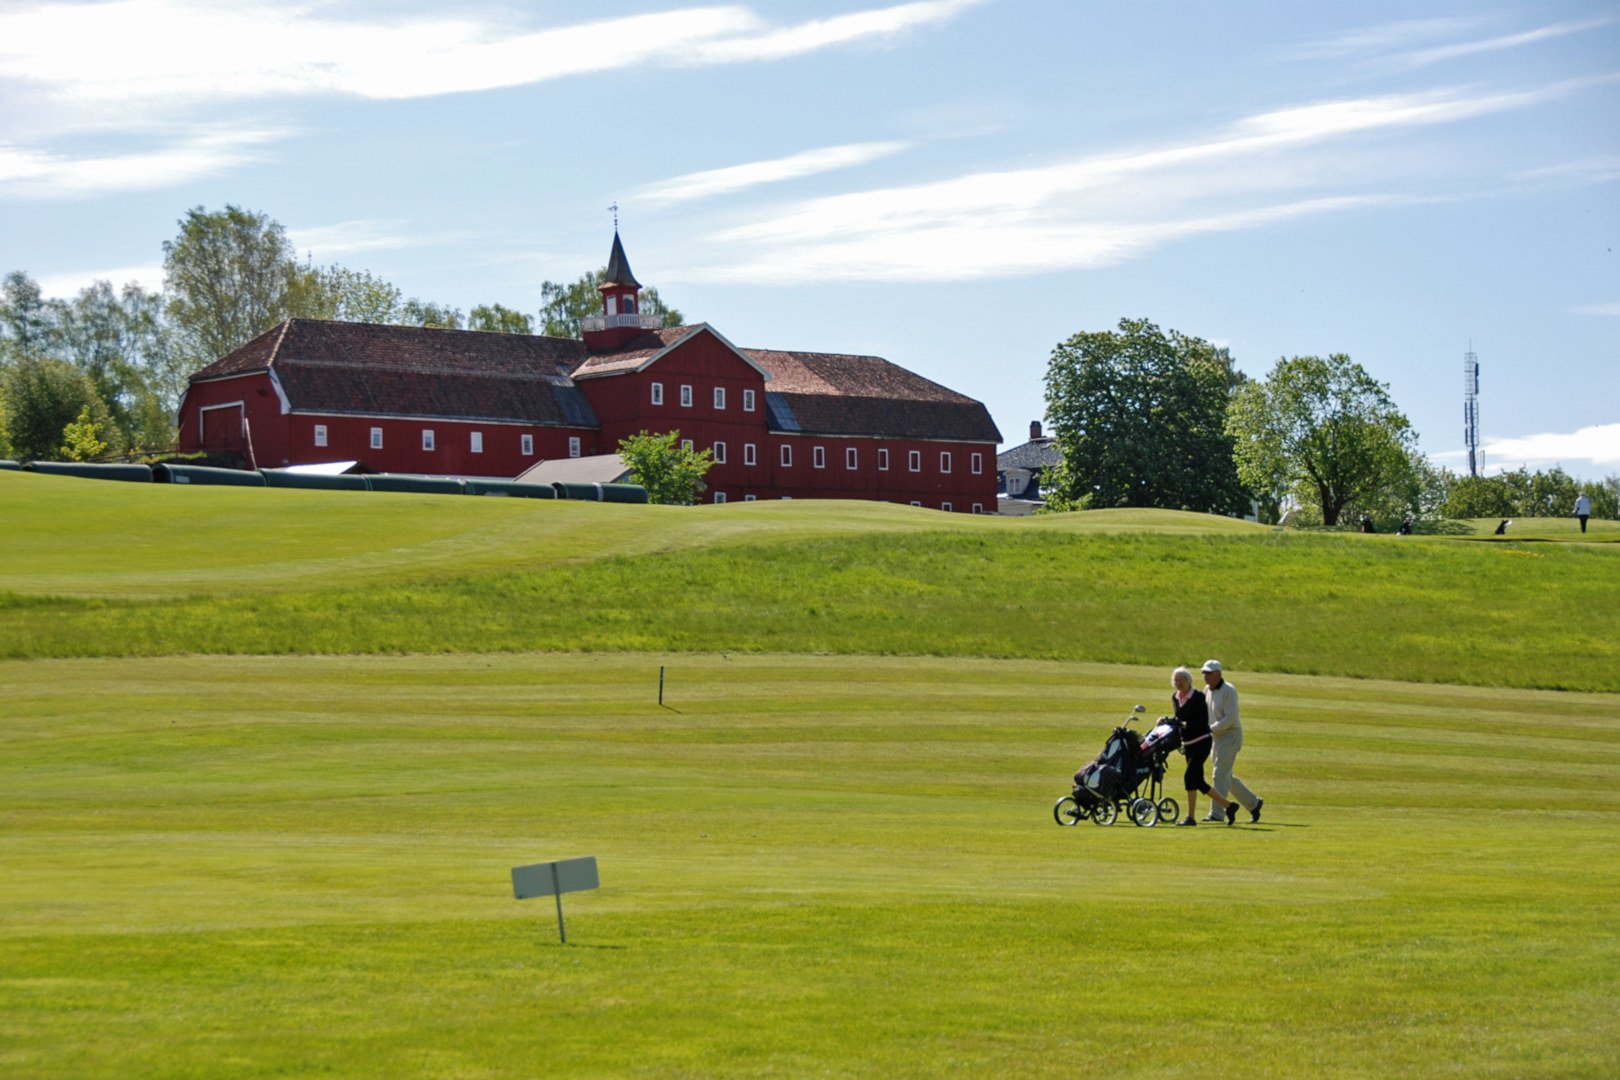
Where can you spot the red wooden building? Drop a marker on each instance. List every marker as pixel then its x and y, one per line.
pixel 410 399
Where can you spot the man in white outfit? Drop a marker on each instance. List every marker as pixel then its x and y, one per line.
pixel 1228 740
pixel 1583 509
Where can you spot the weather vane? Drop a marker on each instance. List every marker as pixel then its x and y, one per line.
pixel 615 209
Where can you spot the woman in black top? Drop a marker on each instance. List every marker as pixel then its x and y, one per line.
pixel 1192 713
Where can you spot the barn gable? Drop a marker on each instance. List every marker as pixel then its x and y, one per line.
pixel 646 350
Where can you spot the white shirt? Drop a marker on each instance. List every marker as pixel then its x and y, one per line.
pixel 1223 709
pixel 1583 505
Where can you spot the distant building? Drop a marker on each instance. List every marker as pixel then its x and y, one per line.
pixel 779 424
pixel 1020 471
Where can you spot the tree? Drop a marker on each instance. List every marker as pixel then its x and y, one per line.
pixel 229 275
pixel 563 306
pixel 1139 416
pixel 495 319
pixel 43 396
pixel 1322 430
pixel 670 471
pixel 1521 493
pixel 81 440
pixel 426 313
pixel 26 323
pixel 120 340
pixel 335 292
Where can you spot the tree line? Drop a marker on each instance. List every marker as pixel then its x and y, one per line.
pixel 101 374
pixel 1148 418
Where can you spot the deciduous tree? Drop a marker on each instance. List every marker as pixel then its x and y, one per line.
pixel 563 306
pixel 43 396
pixel 496 319
pixel 229 275
pixel 671 472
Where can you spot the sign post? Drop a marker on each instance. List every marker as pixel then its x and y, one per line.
pixel 554 879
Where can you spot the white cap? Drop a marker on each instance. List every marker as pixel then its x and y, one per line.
pixel 1211 665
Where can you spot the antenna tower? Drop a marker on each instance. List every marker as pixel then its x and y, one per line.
pixel 1471 408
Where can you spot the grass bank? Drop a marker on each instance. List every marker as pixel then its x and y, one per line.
pixel 846 866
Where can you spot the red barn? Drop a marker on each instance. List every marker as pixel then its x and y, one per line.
pixel 410 399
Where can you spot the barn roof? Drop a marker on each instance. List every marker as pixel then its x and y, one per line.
pixel 374 370
pixel 618 267
pixel 1035 454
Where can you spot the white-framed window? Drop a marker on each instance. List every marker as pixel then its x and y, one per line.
pixel 944 506
pixel 573 446
pixel 915 461
pixel 748 498
pixel 686 444
pixel 916 502
pixel 976 463
pixel 613 305
pixel 320 434
pixel 719 397
pixel 376 438
pixel 475 442
pixel 978 508
pixel 657 393
pixel 850 458
pixel 787 455
pixel 818 457
pixel 719 453
pixel 627 304
pixel 427 438
pixel 686 397
pixel 719 496
pixel 527 443
pixel 883 459
pixel 944 461
pixel 748 453
pixel 748 401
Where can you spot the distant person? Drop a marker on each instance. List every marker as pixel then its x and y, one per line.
pixel 1367 524
pixel 1192 716
pixel 1406 527
pixel 1583 509
pixel 1221 698
pixel 1501 530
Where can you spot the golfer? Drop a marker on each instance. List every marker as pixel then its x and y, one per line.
pixel 1221 697
pixel 1583 509
pixel 1192 716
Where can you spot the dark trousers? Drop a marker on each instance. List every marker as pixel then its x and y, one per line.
pixel 1583 522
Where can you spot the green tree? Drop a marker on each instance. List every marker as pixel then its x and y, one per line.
pixel 229 275
pixel 335 292
pixel 495 319
pixel 1521 493
pixel 563 306
pixel 43 396
pixel 81 440
pixel 670 471
pixel 120 340
pixel 426 313
pixel 1322 430
pixel 1140 417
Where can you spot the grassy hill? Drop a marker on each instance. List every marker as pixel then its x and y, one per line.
pixel 840 866
pixel 99 569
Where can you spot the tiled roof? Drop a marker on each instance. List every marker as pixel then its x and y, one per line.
pixel 618 267
pixel 632 354
pixel 1035 454
pixel 834 394
pixel 335 367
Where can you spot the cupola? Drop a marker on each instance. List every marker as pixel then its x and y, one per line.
pixel 621 320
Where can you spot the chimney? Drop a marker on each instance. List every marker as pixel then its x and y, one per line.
pixel 1034 430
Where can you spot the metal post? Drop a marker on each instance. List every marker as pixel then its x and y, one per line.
pixel 556 887
pixel 660 684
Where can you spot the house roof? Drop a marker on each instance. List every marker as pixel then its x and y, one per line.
pixel 836 394
pixel 618 267
pixel 635 354
pixel 1035 454
pixel 598 469
pixel 369 369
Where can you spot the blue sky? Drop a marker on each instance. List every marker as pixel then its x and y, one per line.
pixel 956 185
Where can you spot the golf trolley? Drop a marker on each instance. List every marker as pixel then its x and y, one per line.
pixel 1114 782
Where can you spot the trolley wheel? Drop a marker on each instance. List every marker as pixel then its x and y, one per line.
pixel 1104 814
pixel 1169 809
pixel 1144 813
pixel 1067 811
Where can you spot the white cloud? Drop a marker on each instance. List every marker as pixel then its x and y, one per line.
pixel 1384 37
pixel 1597 309
pixel 1599 445
pixel 364 234
pixel 1439 53
pixel 39 173
pixel 701 185
pixel 149 53
pixel 1094 210
pixel 70 282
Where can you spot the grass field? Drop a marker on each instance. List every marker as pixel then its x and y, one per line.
pixel 811 866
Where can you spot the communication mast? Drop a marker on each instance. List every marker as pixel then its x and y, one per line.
pixel 1471 408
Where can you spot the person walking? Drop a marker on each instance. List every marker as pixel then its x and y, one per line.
pixel 1221 698
pixel 1192 718
pixel 1583 509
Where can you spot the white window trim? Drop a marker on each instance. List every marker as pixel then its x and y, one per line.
pixel 719 497
pixel 851 458
pixel 427 439
pixel 978 508
pixel 719 453
pixel 945 506
pixel 944 461
pixel 686 444
pixel 573 446
pixel 720 397
pixel 686 397
pixel 376 438
pixel 320 434
pixel 787 455
pixel 916 502
pixel 750 456
pixel 914 460
pixel 818 457
pixel 657 393
pixel 748 401
pixel 883 459
pixel 526 444
pixel 475 442
pixel 976 461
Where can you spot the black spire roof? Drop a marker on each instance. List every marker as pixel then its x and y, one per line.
pixel 618 268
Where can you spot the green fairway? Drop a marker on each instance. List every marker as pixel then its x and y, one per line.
pixel 831 866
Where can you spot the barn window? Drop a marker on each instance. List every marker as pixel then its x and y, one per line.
pixel 719 453
pixel 719 397
pixel 475 442
pixel 427 438
pixel 749 498
pixel 686 397
pixel 916 502
pixel 977 463
pixel 978 508
pixel 686 444
pixel 944 506
pixel 376 438
pixel 944 461
pixel 748 453
pixel 915 461
pixel 819 457
pixel 748 401
pixel 719 496
pixel 613 305
pixel 627 305
pixel 883 459
pixel 573 446
pixel 849 458
pixel 528 445
pixel 657 393
pixel 320 434
pixel 787 454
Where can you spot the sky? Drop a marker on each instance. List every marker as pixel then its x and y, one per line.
pixel 956 185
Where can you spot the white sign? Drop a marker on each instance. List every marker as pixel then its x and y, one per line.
pixel 554 879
